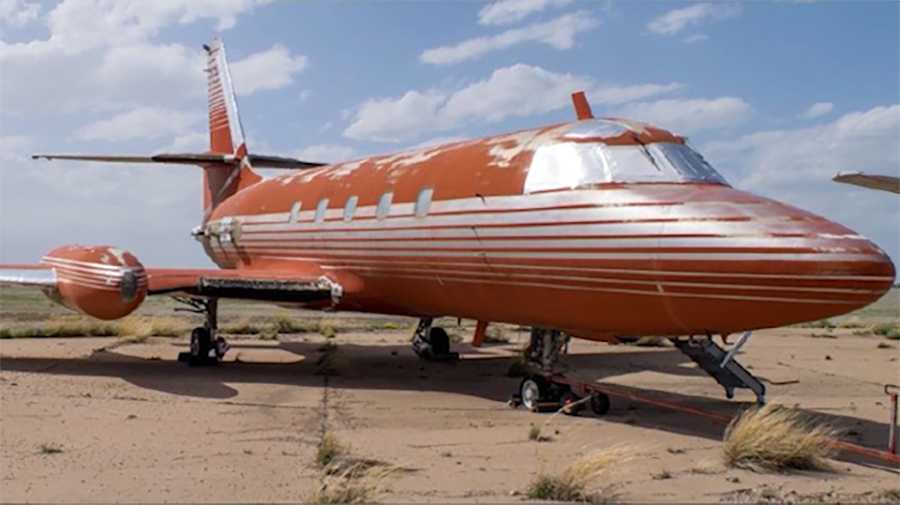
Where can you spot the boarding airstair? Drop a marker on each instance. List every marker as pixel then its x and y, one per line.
pixel 721 365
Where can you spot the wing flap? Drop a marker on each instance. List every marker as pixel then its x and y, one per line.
pixel 250 285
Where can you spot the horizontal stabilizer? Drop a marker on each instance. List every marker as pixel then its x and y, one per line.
pixel 255 160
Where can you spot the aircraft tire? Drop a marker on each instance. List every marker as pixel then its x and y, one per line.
pixel 201 345
pixel 532 391
pixel 599 403
pixel 439 340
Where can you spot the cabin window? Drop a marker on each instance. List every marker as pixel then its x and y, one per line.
pixel 423 202
pixel 295 212
pixel 384 206
pixel 321 209
pixel 350 208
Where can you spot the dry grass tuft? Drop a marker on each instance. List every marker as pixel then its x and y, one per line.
pixel 534 434
pixel 822 323
pixel 152 327
pixel 574 483
pixel 327 331
pixel 887 330
pixel 777 439
pixel 355 483
pixel 330 451
pixel 243 326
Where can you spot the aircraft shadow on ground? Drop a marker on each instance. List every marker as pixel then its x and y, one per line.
pixel 480 373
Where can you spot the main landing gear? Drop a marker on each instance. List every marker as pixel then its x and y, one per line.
pixel 547 389
pixel 432 342
pixel 207 348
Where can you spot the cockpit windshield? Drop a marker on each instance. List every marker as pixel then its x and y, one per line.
pixel 574 164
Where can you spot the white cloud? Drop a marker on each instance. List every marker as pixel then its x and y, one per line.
pixel 391 120
pixel 817 109
pixel 18 13
pixel 99 56
pixel 142 123
pixel 266 70
pixel 518 90
pixel 616 95
pixel 866 140
pixel 697 37
pixel 78 25
pixel 677 20
pixel 689 115
pixel 192 142
pixel 796 166
pixel 326 153
pixel 15 147
pixel 504 12
pixel 558 33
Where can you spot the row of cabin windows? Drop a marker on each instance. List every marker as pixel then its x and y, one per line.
pixel 423 204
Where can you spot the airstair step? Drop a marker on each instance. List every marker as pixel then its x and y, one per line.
pixel 709 357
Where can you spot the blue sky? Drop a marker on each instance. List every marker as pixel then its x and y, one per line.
pixel 778 95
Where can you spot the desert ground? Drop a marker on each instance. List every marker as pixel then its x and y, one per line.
pixel 117 418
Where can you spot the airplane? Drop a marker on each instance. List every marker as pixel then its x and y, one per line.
pixel 599 229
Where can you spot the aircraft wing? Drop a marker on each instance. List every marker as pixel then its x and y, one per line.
pixel 251 285
pixel 882 182
pixel 110 289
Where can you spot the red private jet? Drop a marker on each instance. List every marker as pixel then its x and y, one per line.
pixel 596 229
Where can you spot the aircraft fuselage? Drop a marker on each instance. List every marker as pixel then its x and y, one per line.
pixel 536 228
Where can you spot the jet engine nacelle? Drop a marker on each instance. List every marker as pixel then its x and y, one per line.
pixel 101 281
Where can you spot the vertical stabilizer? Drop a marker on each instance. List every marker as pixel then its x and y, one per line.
pixel 226 134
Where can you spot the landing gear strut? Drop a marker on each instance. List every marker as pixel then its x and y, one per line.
pixel 432 342
pixel 207 348
pixel 546 347
pixel 547 389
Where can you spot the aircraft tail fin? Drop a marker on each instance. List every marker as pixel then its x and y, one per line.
pixel 227 165
pixel 226 134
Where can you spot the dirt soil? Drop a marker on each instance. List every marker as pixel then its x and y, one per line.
pixel 103 419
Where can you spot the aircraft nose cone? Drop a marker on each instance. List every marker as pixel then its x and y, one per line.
pixel 773 265
pixel 833 269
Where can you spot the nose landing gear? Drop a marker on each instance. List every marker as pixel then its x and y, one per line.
pixel 548 389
